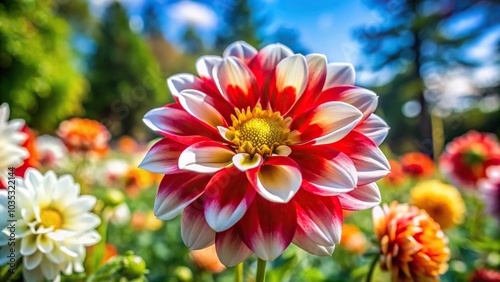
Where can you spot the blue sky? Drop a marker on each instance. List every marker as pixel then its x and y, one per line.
pixel 323 26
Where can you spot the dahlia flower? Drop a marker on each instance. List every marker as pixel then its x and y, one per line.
pixel 396 177
pixel 54 225
pixel 84 136
pixel 412 245
pixel 265 148
pixel 467 157
pixel 12 153
pixel 417 165
pixel 206 259
pixel 490 190
pixel 353 240
pixel 441 201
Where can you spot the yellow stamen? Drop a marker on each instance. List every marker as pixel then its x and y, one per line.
pixel 51 218
pixel 258 131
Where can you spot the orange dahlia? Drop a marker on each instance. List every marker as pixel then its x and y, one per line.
pixel 396 177
pixel 206 259
pixel 261 133
pixel 353 240
pixel 417 165
pixel 412 245
pixel 84 136
pixel 467 157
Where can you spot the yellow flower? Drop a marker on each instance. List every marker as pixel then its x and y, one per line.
pixel 412 245
pixel 442 202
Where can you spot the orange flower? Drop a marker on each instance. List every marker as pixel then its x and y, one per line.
pixel 412 245
pixel 127 144
pixel 109 253
pixel 417 165
pixel 396 177
pixel 137 179
pixel 145 221
pixel 84 136
pixel 353 240
pixel 206 259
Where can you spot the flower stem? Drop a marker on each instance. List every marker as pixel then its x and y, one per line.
pixel 261 270
pixel 238 272
pixel 437 135
pixel 372 268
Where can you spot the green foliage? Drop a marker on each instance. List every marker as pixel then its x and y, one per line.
pixel 37 76
pixel 124 78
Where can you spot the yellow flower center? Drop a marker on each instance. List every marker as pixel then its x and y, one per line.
pixel 51 218
pixel 258 131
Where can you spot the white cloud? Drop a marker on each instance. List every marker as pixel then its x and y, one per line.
pixel 188 12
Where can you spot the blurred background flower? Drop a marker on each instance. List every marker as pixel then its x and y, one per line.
pixel 441 201
pixel 467 158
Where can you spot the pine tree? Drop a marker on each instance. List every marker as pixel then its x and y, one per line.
pixel 239 24
pixel 124 78
pixel 412 42
pixel 37 74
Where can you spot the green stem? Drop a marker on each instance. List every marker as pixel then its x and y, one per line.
pixel 261 270
pixel 238 272
pixel 8 274
pixel 372 268
pixel 437 136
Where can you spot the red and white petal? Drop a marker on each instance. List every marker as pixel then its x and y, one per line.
pixel 320 218
pixel 268 228
pixel 195 231
pixel 183 81
pixel 163 157
pixel 205 66
pixel 305 243
pixel 339 74
pixel 241 50
pixel 177 191
pixel 329 123
pixel 236 83
pixel 244 161
pixel 326 172
pixel 227 198
pixel 230 248
pixel 291 81
pixel 375 128
pixel 175 123
pixel 361 198
pixel 316 69
pixel 193 101
pixel 363 99
pixel 367 157
pixel 205 157
pixel 266 60
pixel 277 180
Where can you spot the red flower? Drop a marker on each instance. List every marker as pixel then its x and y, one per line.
pixel 485 275
pixel 265 148
pixel 417 165
pixel 467 157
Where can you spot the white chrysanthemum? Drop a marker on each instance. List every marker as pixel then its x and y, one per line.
pixel 12 153
pixel 51 149
pixel 54 225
